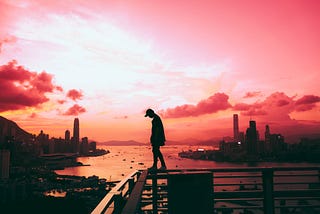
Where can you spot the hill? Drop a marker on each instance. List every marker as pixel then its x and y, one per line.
pixel 8 128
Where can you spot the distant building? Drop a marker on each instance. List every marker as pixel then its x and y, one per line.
pixel 84 148
pixel 235 127
pixel 241 137
pixel 4 164
pixel 67 136
pixel 93 146
pixel 267 139
pixel 252 139
pixel 76 131
pixel 274 143
pixel 277 143
pixel 76 135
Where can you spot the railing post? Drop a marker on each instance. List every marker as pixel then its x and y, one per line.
pixel 118 202
pixel 154 192
pixel 131 184
pixel 268 202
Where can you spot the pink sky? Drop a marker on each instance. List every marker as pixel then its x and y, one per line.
pixel 194 62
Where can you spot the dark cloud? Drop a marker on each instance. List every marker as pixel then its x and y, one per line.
pixel 215 103
pixel 252 94
pixel 74 94
pixel 21 88
pixel 75 110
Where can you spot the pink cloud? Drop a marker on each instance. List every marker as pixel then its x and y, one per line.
pixel 8 40
pixel 74 94
pixel 306 103
pixel 33 115
pixel 308 99
pixel 250 109
pixel 278 105
pixel 215 103
pixel 21 88
pixel 75 110
pixel 59 88
pixel 241 107
pixel 282 103
pixel 252 94
pixel 61 101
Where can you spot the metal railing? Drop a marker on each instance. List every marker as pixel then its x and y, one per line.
pixel 235 190
pixel 114 201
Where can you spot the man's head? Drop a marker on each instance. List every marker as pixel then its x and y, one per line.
pixel 149 113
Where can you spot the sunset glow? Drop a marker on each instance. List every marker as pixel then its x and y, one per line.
pixel 196 63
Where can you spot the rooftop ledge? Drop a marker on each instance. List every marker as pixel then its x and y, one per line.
pixel 256 189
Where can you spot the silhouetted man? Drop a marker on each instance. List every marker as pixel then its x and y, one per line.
pixel 157 139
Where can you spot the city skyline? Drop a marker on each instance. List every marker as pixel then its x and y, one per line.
pixel 194 63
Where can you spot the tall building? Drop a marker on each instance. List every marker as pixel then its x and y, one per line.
pixel 4 164
pixel 76 130
pixel 267 138
pixel 67 136
pixel 76 133
pixel 252 138
pixel 235 127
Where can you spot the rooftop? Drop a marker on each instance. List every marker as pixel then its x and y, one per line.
pixel 220 190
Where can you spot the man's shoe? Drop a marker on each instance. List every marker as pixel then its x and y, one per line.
pixel 163 168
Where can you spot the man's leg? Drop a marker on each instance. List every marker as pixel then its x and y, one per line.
pixel 155 151
pixel 163 164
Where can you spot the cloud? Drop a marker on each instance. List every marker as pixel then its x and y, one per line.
pixel 61 101
pixel 250 109
pixel 59 88
pixel 282 103
pixel 121 117
pixel 74 94
pixel 8 39
pixel 214 103
pixel 252 94
pixel 21 88
pixel 308 99
pixel 278 106
pixel 33 115
pixel 75 110
pixel 306 102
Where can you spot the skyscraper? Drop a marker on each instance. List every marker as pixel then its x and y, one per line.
pixel 267 138
pixel 235 127
pixel 67 136
pixel 252 138
pixel 76 130
pixel 76 137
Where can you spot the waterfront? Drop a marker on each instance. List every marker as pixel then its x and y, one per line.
pixel 124 159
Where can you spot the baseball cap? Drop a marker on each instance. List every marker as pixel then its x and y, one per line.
pixel 149 112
